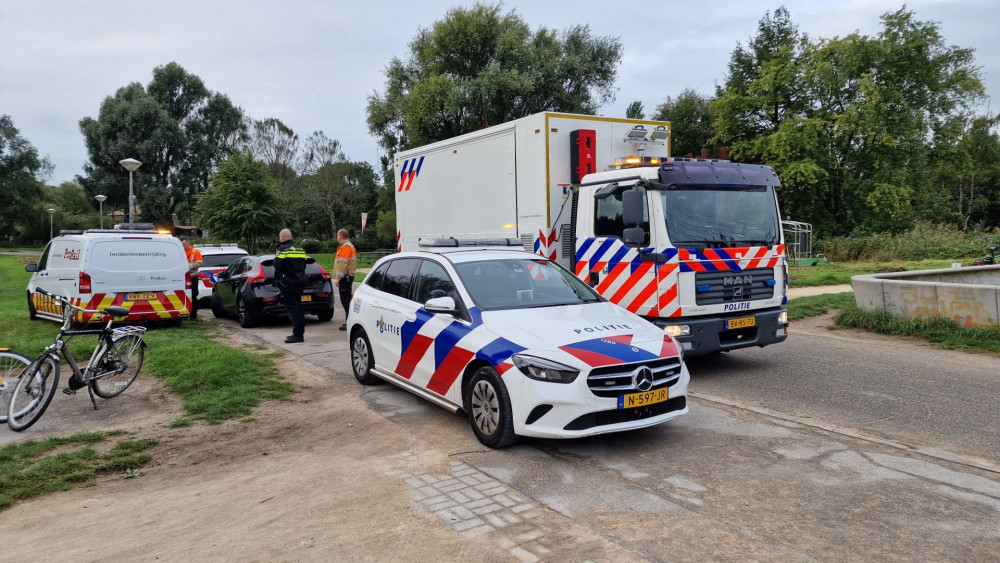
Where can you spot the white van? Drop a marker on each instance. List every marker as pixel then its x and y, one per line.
pixel 143 271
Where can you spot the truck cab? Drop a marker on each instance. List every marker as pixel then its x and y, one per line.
pixel 695 246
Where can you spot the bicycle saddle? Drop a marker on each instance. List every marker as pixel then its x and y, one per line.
pixel 116 311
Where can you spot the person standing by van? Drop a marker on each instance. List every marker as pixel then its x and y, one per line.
pixel 345 267
pixel 290 276
pixel 194 259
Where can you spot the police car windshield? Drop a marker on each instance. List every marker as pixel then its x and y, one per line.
pixel 522 283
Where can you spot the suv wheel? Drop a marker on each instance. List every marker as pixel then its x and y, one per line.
pixel 247 319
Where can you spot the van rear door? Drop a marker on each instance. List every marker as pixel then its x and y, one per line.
pixel 144 274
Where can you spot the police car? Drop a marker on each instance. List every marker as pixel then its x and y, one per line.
pixel 513 340
pixel 215 259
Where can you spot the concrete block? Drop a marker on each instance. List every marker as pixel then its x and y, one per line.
pixel 908 300
pixel 868 293
pixel 968 305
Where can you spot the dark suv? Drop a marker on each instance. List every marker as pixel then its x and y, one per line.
pixel 247 289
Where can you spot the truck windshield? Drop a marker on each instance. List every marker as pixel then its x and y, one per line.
pixel 720 216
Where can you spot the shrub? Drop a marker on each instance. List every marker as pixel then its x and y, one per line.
pixel 312 246
pixel 924 242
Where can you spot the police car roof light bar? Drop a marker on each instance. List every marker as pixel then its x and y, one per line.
pixel 454 242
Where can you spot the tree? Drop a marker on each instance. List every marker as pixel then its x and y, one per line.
pixel 479 67
pixel 319 151
pixel 634 111
pixel 242 203
pixel 275 144
pixel 175 126
pixel 690 118
pixel 21 172
pixel 342 191
pixel 849 123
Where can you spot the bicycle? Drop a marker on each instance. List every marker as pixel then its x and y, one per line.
pixel 113 366
pixel 11 366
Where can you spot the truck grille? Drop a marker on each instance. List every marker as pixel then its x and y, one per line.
pixel 713 288
pixel 611 381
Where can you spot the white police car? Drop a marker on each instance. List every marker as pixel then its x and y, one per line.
pixel 514 340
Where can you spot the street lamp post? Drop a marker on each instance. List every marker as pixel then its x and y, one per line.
pixel 52 212
pixel 100 199
pixel 131 165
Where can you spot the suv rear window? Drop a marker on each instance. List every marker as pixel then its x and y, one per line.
pixel 312 268
pixel 219 260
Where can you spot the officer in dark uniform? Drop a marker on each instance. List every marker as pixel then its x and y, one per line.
pixel 290 276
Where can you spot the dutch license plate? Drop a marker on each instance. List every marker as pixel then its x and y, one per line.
pixel 307 298
pixel 140 296
pixel 633 400
pixel 741 323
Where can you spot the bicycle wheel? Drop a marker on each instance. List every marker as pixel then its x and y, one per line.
pixel 11 366
pixel 118 366
pixel 33 392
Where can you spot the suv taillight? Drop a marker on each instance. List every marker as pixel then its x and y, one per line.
pixel 322 272
pixel 84 285
pixel 258 279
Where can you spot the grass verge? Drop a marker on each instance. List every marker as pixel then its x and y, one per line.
pixel 940 331
pixel 835 273
pixel 32 468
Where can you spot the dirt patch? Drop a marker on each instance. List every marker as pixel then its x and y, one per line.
pixel 317 476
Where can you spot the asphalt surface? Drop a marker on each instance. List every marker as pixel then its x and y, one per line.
pixel 834 445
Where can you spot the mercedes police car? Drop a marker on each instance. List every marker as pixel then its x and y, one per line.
pixel 513 340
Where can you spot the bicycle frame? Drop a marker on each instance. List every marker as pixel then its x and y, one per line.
pixel 106 335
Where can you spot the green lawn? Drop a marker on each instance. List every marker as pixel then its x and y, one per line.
pixel 217 382
pixel 834 273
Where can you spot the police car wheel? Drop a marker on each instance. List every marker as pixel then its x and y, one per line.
pixel 362 360
pixel 489 409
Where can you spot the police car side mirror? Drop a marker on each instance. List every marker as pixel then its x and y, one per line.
pixel 31 268
pixel 443 305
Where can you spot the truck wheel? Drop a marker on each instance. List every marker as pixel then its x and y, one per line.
pixel 217 309
pixel 489 409
pixel 247 319
pixel 32 313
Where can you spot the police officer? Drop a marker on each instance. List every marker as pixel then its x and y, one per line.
pixel 290 276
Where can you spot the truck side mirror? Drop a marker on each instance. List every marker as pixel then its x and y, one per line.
pixel 632 207
pixel 634 236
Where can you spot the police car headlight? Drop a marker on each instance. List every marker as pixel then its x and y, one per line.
pixel 544 370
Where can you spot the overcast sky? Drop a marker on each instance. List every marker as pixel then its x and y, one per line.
pixel 312 63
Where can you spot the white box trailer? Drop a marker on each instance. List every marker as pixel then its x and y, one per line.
pixel 695 246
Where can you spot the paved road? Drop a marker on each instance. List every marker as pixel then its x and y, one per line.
pixel 828 447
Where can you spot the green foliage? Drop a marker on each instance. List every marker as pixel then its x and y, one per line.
pixel 923 242
pixel 313 246
pixel 175 126
pixel 21 170
pixel 242 203
pixel 852 124
pixel 834 273
pixel 634 111
pixel 26 472
pixel 944 332
pixel 479 67
pixel 690 118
